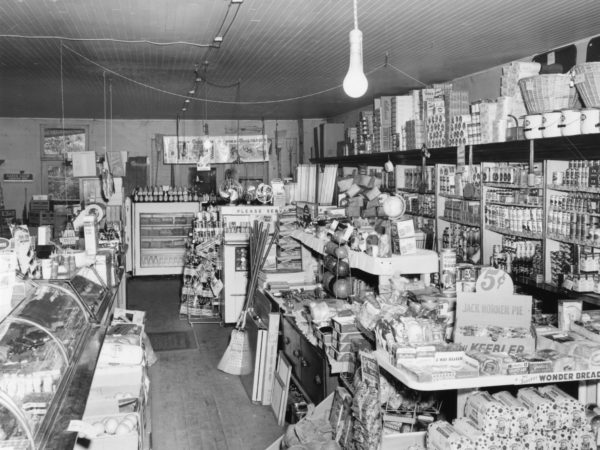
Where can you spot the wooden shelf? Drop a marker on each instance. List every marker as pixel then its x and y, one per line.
pixel 564 148
pixel 461 222
pixel 585 189
pixel 518 205
pixel 568 240
pixel 458 197
pixel 523 234
pixel 414 191
pixel 511 186
pixel 421 262
pixel 481 381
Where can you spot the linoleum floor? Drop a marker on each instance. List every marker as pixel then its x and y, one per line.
pixel 194 405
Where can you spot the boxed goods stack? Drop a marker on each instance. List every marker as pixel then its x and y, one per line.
pixel 436 123
pixel 474 127
pixel 458 129
pixel 415 134
pixel 541 418
pixel 402 112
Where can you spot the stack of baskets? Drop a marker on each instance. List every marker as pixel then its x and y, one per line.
pixel 548 92
pixel 586 78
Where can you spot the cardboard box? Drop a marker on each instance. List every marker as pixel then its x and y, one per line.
pixel 127 441
pixel 344 324
pixel 475 310
pixel 347 336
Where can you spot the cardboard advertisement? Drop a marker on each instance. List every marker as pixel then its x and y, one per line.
pixel 491 308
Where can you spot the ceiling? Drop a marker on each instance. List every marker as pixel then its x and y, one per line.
pixel 284 59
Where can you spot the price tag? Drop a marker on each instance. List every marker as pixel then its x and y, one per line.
pixel 493 280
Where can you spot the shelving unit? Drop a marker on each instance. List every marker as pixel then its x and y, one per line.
pixel 422 262
pixel 451 231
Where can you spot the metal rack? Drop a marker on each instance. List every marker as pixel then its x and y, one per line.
pixel 201 293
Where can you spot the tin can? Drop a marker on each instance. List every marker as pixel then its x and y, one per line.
pixel 448 270
pixel 465 272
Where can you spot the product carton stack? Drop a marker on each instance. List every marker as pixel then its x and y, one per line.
pixel 436 123
pixel 474 128
pixel 537 418
pixel 119 394
pixel 382 108
pixel 511 74
pixel 402 112
pixel 458 129
pixel 415 134
pixel 487 117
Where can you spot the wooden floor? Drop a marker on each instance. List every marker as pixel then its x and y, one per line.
pixel 194 405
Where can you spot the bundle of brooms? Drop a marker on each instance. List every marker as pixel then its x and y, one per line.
pixel 237 359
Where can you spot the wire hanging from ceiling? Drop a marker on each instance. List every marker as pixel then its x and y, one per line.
pixel 113 40
pixel 226 102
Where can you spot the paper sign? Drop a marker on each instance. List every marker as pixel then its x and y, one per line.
pixel 84 164
pixel 493 280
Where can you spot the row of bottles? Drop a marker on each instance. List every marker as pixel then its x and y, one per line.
pixel 572 225
pixel 561 263
pixel 516 174
pixel 465 240
pixel 519 257
pixel 531 197
pixel 514 218
pixel 171 194
pixel 579 173
pixel 576 202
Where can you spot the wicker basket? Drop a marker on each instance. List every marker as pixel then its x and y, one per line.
pixel 586 78
pixel 548 92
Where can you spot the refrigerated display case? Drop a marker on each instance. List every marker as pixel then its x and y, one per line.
pixel 39 342
pixel 159 235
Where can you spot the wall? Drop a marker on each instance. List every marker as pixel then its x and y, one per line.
pixel 20 148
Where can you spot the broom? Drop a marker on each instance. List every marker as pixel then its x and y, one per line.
pixel 237 359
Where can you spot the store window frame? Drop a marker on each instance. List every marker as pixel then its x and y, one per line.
pixel 56 142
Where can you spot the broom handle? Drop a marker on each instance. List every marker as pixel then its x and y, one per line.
pixel 252 287
pixel 256 269
pixel 253 236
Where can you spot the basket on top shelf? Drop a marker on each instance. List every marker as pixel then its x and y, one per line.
pixel 548 92
pixel 586 77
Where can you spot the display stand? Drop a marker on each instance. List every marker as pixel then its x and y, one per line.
pixel 489 291
pixel 423 262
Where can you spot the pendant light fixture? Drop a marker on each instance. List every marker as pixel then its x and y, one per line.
pixel 355 82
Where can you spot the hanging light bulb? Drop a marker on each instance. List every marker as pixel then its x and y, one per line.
pixel 355 83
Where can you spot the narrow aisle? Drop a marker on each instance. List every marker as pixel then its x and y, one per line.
pixel 194 405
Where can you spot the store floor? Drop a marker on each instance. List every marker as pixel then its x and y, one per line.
pixel 194 405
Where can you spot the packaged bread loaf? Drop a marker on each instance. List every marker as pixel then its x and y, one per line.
pixel 536 440
pixel 480 440
pixel 443 436
pixel 489 414
pixel 573 411
pixel 546 413
pixel 583 438
pixel 521 418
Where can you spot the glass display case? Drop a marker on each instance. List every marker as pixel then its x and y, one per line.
pixel 39 340
pixel 90 290
pixel 160 233
pixel 49 345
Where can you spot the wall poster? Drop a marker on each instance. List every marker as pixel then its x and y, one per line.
pixel 56 142
pixel 59 181
pixel 222 149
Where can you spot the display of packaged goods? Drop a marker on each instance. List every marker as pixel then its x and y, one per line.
pixel 546 413
pixel 521 419
pixel 499 363
pixel 572 411
pixel 488 413
pixel 426 370
pixel 586 353
pixel 443 436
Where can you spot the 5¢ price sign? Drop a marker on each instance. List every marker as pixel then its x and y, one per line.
pixel 493 280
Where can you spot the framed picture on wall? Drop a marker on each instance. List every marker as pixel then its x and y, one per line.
pixel 56 142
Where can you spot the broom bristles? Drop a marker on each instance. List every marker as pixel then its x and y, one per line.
pixel 237 359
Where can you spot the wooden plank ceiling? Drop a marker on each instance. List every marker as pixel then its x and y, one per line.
pixel 279 58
